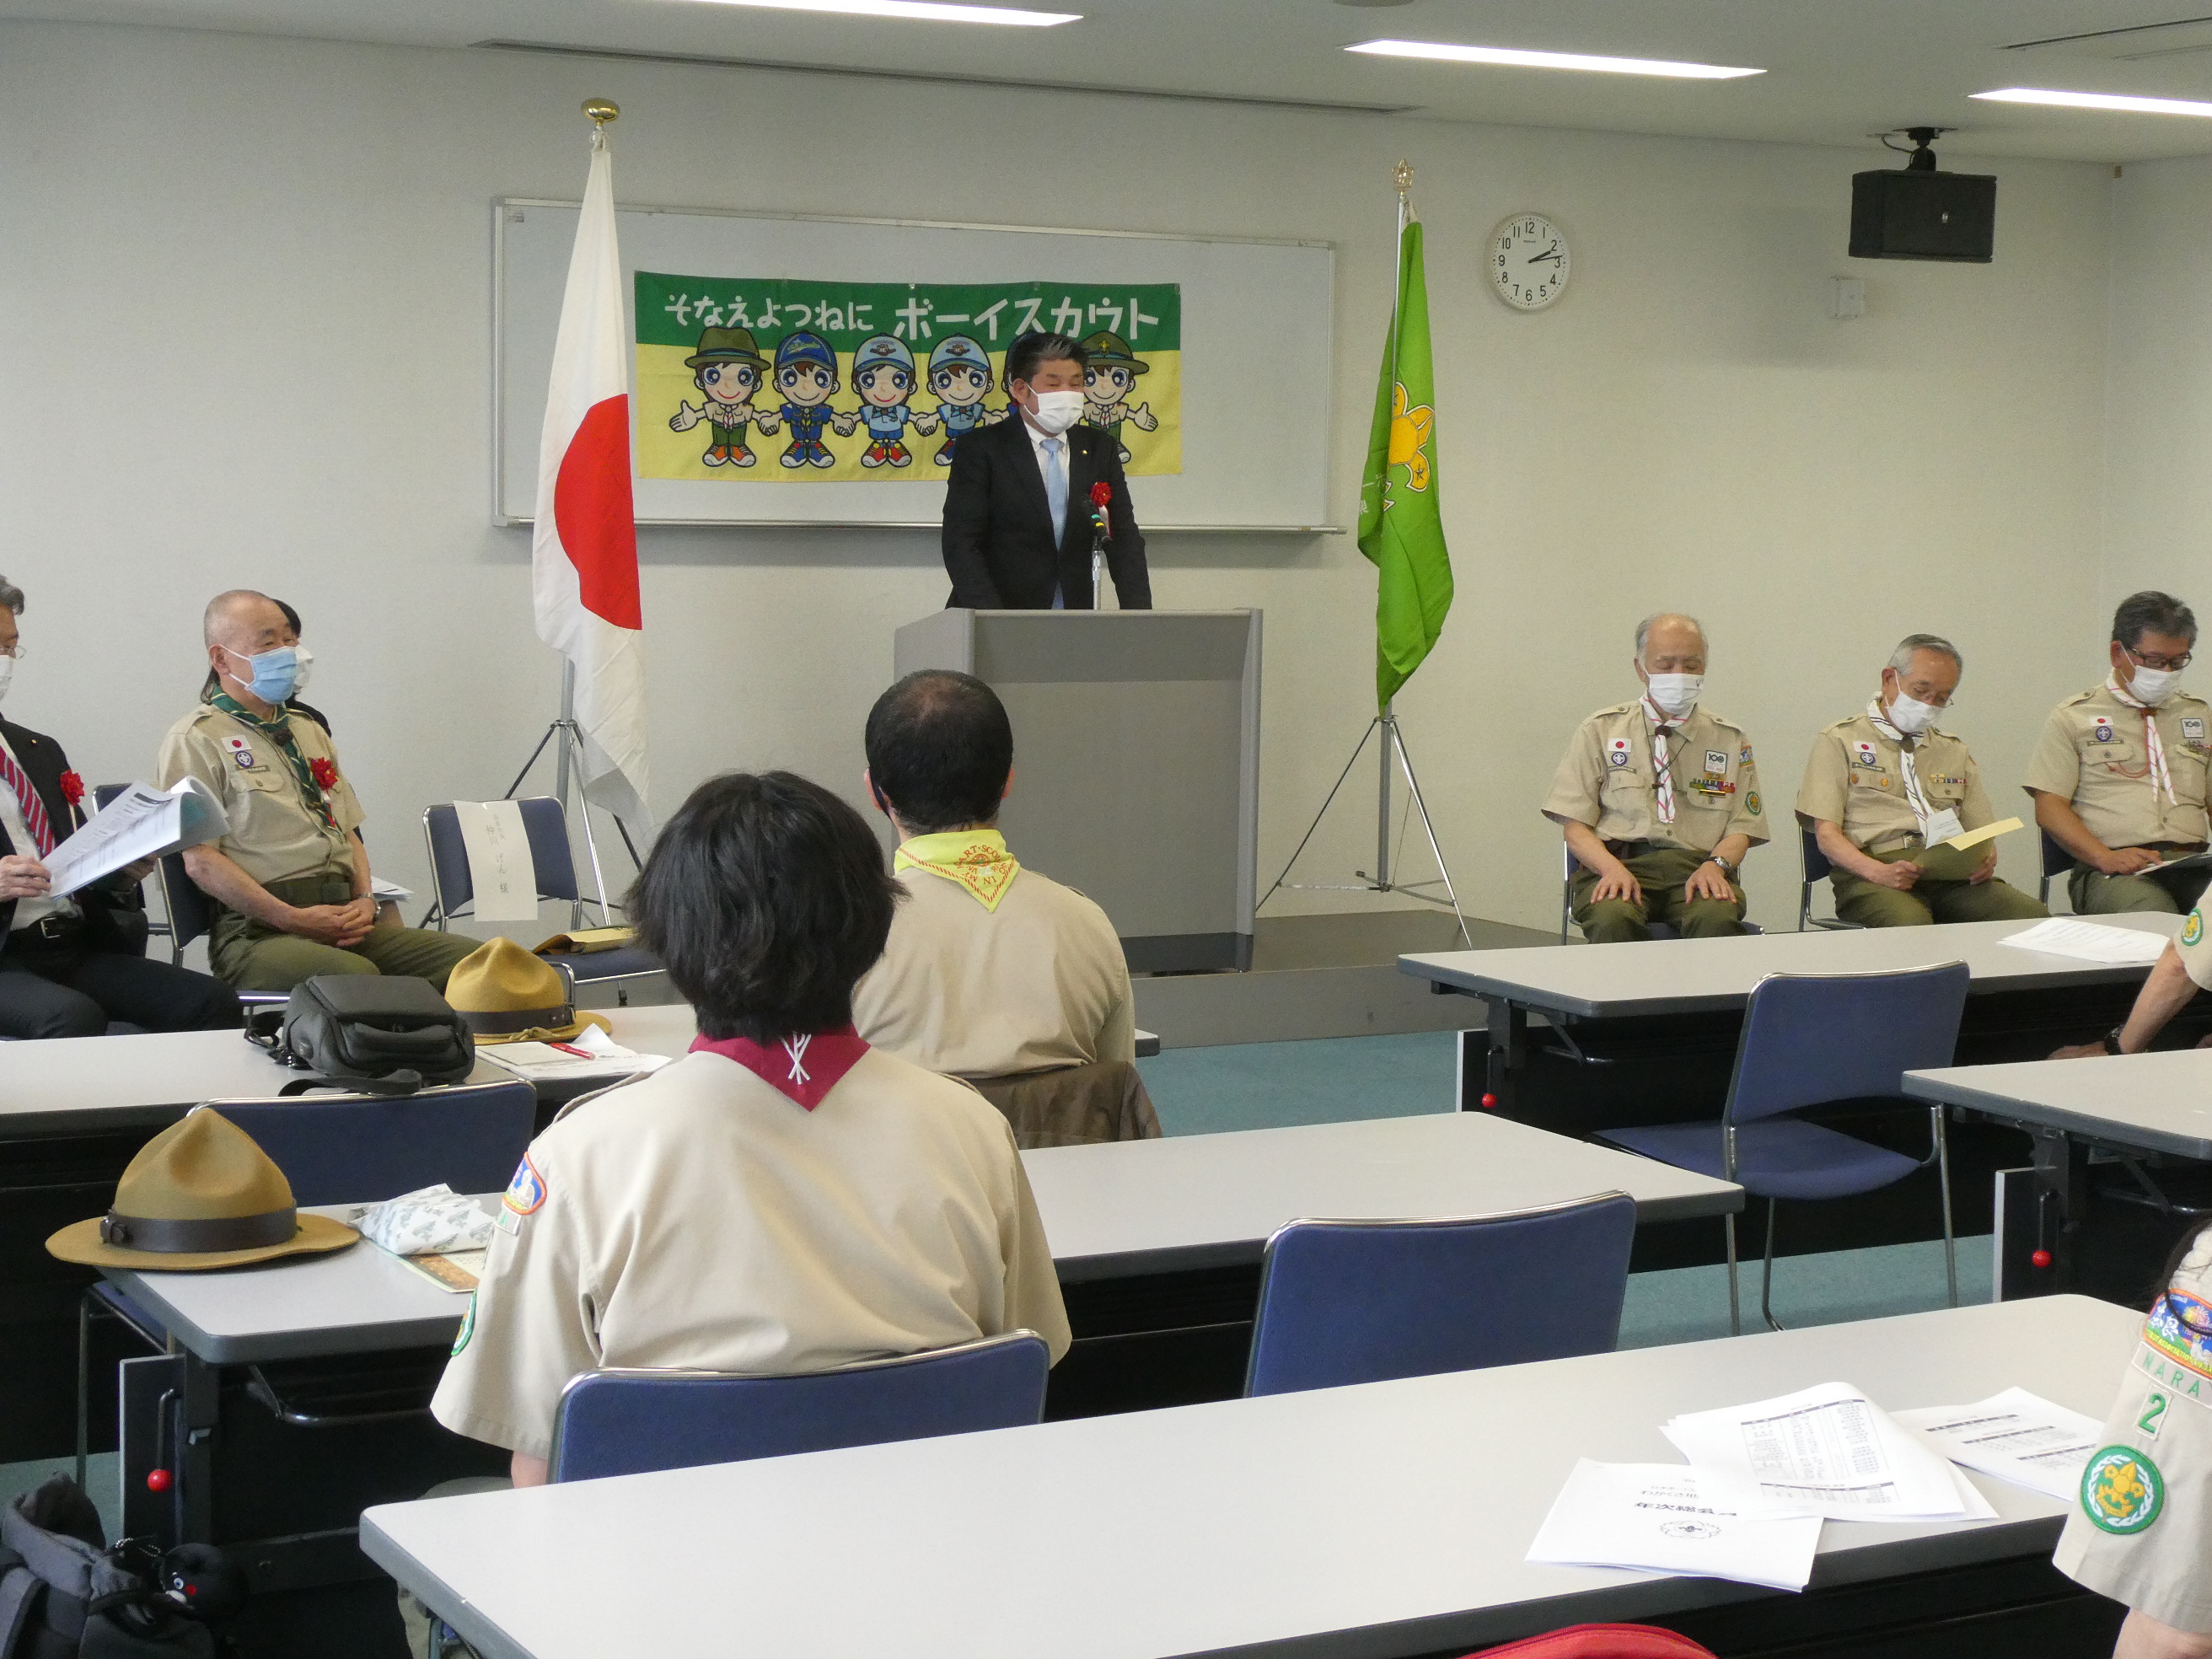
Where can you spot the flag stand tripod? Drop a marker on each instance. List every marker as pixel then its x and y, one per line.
pixel 568 764
pixel 1393 743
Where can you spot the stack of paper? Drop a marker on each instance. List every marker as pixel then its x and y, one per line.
pixel 1661 1518
pixel 2090 941
pixel 2015 1437
pixel 590 1053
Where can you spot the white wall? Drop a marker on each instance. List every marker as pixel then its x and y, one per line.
pixel 244 315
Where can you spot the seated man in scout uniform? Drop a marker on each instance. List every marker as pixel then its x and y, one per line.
pixel 2183 968
pixel 1659 800
pixel 291 881
pixel 993 970
pixel 2118 775
pixel 1884 789
pixel 783 1199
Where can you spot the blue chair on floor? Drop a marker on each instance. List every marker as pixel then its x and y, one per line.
pixel 1817 869
pixel 630 1422
pixel 1345 1302
pixel 363 1149
pixel 2056 861
pixel 1820 1040
pixel 553 867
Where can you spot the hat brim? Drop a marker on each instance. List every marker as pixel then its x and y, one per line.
pixel 545 1033
pixel 79 1243
pixel 706 357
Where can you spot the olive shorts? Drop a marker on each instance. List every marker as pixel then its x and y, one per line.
pixel 1663 872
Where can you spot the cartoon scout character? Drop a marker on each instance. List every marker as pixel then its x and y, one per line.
pixel 1112 372
pixel 883 375
pixel 960 375
pixel 806 374
pixel 727 367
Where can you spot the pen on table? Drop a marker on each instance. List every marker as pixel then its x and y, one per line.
pixel 571 1048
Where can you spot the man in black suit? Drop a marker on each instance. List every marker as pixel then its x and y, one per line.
pixel 68 966
pixel 1017 501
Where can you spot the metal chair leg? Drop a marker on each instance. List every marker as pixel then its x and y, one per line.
pixel 1735 1316
pixel 1943 1177
pixel 1766 1285
pixel 83 1385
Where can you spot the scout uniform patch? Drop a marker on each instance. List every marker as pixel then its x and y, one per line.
pixel 2179 1327
pixel 242 752
pixel 526 1195
pixel 1865 754
pixel 1616 752
pixel 2102 731
pixel 2122 1491
pixel 2193 929
pixel 468 1326
pixel 2192 730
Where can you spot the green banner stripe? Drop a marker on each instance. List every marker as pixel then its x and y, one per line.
pixel 674 311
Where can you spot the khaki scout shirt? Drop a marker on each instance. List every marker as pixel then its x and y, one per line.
pixel 1854 777
pixel 274 832
pixel 1605 780
pixel 699 1220
pixel 2141 1531
pixel 1037 983
pixel 2091 754
pixel 2194 949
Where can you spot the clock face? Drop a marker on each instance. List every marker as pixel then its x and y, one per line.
pixel 1528 261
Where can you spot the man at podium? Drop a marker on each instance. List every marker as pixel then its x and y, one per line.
pixel 1021 493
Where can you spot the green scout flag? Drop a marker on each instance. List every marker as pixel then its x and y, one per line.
pixel 1401 528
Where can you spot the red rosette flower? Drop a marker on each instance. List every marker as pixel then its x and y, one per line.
pixel 1101 493
pixel 324 770
pixel 72 788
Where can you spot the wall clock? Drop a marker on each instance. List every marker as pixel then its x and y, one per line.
pixel 1528 261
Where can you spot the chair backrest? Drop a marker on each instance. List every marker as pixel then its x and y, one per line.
pixel 553 866
pixel 628 1422
pixel 1344 1302
pixel 2056 861
pixel 192 912
pixel 358 1149
pixel 1812 1038
pixel 1816 867
pixel 1567 891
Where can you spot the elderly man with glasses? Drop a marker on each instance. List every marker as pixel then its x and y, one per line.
pixel 1884 790
pixel 2118 775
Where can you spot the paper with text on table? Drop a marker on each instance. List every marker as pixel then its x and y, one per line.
pixel 1660 1517
pixel 141 823
pixel 2016 1436
pixel 2090 941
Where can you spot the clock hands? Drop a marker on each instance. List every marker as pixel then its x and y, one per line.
pixel 1550 253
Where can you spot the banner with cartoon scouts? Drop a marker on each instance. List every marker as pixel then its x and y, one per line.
pixel 790 382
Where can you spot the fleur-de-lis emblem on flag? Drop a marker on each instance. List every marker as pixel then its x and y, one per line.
pixel 1409 439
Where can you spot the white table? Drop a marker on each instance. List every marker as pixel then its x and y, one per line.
pixel 668 1029
pixel 1391 1519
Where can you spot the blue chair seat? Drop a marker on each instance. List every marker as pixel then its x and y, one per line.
pixel 1778 1157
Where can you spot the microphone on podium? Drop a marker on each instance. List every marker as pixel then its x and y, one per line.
pixel 1102 493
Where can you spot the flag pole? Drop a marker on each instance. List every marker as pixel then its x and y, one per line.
pixel 1403 177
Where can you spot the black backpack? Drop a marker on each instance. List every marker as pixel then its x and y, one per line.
pixel 370 1033
pixel 64 1595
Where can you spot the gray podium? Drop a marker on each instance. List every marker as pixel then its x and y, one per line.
pixel 1136 763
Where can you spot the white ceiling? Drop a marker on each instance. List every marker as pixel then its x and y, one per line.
pixel 1838 70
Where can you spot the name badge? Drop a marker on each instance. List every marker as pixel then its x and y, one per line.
pixel 1617 754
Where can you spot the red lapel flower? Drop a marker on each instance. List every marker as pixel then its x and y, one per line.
pixel 325 769
pixel 1101 493
pixel 72 788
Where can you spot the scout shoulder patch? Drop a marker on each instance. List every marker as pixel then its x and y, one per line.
pixel 526 1194
pixel 2122 1491
pixel 1616 753
pixel 1744 755
pixel 2193 929
pixel 2153 1415
pixel 2179 1326
pixel 1751 803
pixel 468 1325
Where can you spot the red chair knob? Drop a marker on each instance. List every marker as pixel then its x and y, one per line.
pixel 158 1480
pixel 1490 1102
pixel 2041 1259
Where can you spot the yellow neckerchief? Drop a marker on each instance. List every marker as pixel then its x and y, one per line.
pixel 976 859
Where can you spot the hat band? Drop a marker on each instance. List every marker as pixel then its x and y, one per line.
pixel 168 1237
pixel 497 1025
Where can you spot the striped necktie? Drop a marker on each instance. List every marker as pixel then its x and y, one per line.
pixel 34 810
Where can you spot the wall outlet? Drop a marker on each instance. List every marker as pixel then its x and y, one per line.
pixel 1846 297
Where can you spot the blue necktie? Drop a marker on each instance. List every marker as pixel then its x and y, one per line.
pixel 1055 495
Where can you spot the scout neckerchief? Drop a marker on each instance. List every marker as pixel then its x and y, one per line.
pixel 279 731
pixel 977 859
pixel 2160 777
pixel 1662 768
pixel 803 1068
pixel 1904 747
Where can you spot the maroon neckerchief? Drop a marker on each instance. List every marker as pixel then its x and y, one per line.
pixel 803 1068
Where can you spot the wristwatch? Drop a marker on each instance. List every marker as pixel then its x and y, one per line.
pixel 2113 1042
pixel 1727 869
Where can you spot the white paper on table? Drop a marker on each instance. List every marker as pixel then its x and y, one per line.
pixel 606 1057
pixel 500 868
pixel 2016 1436
pixel 1829 1450
pixel 1660 1517
pixel 1942 826
pixel 141 823
pixel 2090 941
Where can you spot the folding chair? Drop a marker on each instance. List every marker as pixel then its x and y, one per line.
pixel 1345 1302
pixel 628 1422
pixel 1816 868
pixel 2056 861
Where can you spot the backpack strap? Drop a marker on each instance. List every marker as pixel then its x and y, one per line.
pixel 402 1082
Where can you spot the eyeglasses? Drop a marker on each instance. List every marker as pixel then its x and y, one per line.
pixel 2157 664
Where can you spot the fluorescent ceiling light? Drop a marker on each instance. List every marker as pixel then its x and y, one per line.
pixel 2097 101
pixel 925 11
pixel 1557 60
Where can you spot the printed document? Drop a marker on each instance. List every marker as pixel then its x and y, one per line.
pixel 1828 1451
pixel 1660 1517
pixel 602 1056
pixel 2015 1437
pixel 141 823
pixel 2090 941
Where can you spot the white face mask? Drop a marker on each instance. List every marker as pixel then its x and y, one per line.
pixel 306 663
pixel 2153 686
pixel 1912 716
pixel 1676 693
pixel 1056 411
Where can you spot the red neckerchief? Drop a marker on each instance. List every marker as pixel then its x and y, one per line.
pixel 803 1068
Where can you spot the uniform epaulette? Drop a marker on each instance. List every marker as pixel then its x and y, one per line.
pixel 1723 719
pixel 1617 709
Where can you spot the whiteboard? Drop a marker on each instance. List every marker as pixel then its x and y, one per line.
pixel 1256 354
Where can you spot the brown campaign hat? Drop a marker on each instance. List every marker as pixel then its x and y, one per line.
pixel 727 345
pixel 507 995
pixel 199 1194
pixel 1104 348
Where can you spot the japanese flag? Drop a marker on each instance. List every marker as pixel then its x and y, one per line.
pixel 584 553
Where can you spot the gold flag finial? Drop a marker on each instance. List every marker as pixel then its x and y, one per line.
pixel 1403 176
pixel 602 110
